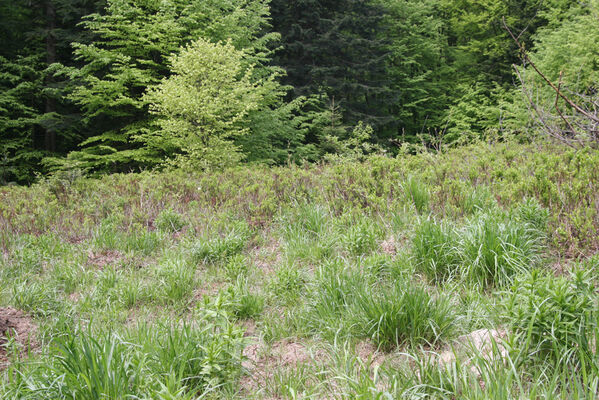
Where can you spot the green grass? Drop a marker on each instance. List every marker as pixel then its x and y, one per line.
pixel 344 281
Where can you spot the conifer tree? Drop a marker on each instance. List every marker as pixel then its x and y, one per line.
pixel 133 41
pixel 337 48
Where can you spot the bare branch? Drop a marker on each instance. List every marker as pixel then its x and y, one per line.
pixel 551 84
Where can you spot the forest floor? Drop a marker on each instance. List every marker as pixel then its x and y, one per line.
pixel 469 274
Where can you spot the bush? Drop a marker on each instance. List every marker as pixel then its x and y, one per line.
pixel 169 221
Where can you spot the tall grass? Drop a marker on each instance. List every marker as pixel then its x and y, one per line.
pixel 221 247
pixel 403 314
pixel 417 193
pixel 490 249
pixel 496 250
pixel 435 248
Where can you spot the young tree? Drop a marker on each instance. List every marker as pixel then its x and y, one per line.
pixel 204 105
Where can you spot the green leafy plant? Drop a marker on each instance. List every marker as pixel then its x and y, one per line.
pixel 554 316
pixel 169 221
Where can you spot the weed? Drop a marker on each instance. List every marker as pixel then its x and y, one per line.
pixel 554 316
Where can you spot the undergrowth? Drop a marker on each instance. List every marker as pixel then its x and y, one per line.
pixel 347 280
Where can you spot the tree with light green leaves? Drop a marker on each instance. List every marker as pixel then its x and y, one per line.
pixel 204 105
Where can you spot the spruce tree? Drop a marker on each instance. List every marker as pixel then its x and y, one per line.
pixel 337 49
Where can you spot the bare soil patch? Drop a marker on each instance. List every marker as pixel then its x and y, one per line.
pixel 103 258
pixel 17 327
pixel 261 361
pixel 390 246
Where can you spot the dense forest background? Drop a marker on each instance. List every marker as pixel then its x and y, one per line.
pixel 102 86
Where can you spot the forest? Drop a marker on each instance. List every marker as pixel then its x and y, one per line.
pixel 307 199
pixel 102 86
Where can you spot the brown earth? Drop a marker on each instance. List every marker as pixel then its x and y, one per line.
pixel 17 327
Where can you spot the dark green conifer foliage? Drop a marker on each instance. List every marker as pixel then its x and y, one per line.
pixel 339 49
pixel 36 120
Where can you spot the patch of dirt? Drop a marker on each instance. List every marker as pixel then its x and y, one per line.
pixel 74 297
pixel 268 256
pixel 17 327
pixel 75 239
pixel 249 326
pixel 390 246
pixel 103 258
pixel 210 290
pixel 368 352
pixel 261 361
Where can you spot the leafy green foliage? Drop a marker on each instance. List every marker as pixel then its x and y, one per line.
pixel 130 55
pixel 330 266
pixel 554 315
pixel 204 104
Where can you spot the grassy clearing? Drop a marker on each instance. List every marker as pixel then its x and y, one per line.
pixel 340 281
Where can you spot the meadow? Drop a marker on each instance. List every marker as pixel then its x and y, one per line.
pixel 464 274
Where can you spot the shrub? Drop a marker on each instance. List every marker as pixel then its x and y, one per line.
pixel 169 221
